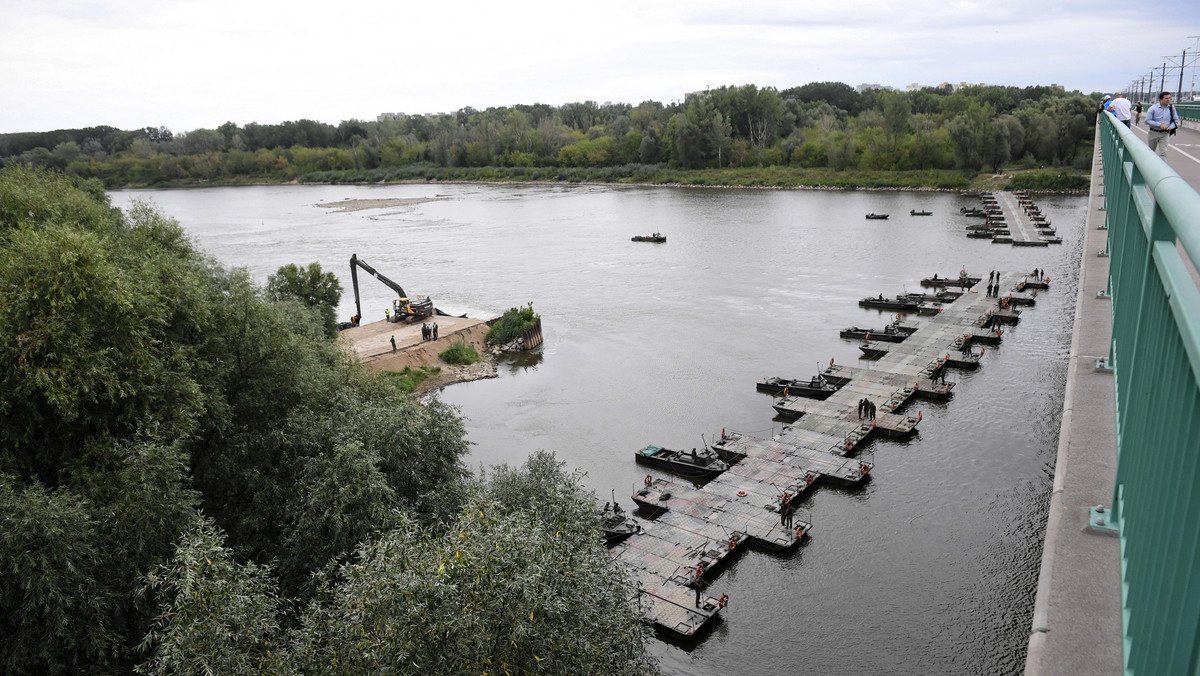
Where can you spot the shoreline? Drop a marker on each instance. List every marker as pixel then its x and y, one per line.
pixel 540 182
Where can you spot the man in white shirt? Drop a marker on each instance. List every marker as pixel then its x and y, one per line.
pixel 1120 108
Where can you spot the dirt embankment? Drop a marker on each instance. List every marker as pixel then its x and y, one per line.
pixel 418 353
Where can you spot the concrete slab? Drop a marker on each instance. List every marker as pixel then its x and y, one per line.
pixel 1077 613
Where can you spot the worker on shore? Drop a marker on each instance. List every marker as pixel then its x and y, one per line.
pixel 387 315
pixel 393 343
pixel 435 329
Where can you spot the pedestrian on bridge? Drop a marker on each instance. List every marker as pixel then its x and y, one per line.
pixel 1119 107
pixel 1162 121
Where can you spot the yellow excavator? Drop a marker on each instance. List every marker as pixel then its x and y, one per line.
pixel 404 308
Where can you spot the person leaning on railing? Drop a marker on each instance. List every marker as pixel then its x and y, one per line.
pixel 1161 119
pixel 1119 107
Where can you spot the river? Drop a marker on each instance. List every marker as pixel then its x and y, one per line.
pixel 929 568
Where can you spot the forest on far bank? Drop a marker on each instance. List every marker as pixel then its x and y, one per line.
pixel 820 133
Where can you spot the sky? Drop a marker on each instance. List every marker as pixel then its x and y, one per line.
pixel 190 64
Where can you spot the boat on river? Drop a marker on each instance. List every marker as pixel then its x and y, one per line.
pixel 898 303
pixel 914 212
pixel 701 463
pixel 878 217
pixel 814 388
pixel 892 333
pixel 873 351
pixel 616 524
pixel 657 238
pixel 963 281
pixel 943 296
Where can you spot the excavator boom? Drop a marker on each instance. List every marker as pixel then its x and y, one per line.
pixel 423 308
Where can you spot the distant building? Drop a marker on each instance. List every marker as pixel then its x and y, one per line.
pixel 913 87
pixel 704 93
pixel 382 117
pixel 866 87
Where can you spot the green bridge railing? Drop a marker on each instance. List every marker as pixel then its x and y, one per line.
pixel 1188 111
pixel 1153 219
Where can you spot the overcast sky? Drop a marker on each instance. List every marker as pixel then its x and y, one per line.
pixel 187 64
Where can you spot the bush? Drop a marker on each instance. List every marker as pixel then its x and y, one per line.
pixel 407 380
pixel 1049 181
pixel 514 324
pixel 459 353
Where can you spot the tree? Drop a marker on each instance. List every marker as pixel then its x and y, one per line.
pixel 217 616
pixel 56 613
pixel 836 94
pixel 896 113
pixel 310 285
pixel 519 583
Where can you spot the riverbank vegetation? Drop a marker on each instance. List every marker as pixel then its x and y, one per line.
pixel 822 134
pixel 406 381
pixel 459 354
pixel 512 325
pixel 197 478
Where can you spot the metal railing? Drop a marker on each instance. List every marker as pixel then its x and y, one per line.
pixel 1188 111
pixel 1153 219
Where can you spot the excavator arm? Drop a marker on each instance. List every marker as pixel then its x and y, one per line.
pixel 416 309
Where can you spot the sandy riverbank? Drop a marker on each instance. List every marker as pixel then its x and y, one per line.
pixel 348 205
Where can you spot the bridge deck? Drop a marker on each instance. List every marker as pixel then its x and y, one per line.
pixel 742 506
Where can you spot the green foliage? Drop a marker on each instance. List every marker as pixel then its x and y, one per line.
pixel 512 325
pixel 312 287
pixel 459 353
pixel 57 615
pixel 407 380
pixel 1049 181
pixel 86 350
pixel 728 127
pixel 217 616
pixel 139 381
pixel 519 583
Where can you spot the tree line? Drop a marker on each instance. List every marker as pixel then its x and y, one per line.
pixel 195 477
pixel 821 125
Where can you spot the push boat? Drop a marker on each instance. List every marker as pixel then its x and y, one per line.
pixel 656 237
pixel 698 464
pixel 815 388
pixel 892 333
pixel 914 212
pixel 616 524
pixel 877 217
pixel 881 303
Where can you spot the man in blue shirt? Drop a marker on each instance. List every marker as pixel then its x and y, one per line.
pixel 1161 119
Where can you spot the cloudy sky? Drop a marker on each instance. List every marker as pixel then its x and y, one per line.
pixel 187 64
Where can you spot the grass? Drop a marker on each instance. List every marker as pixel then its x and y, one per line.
pixel 459 353
pixel 407 380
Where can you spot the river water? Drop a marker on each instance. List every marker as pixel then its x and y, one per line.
pixel 929 568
